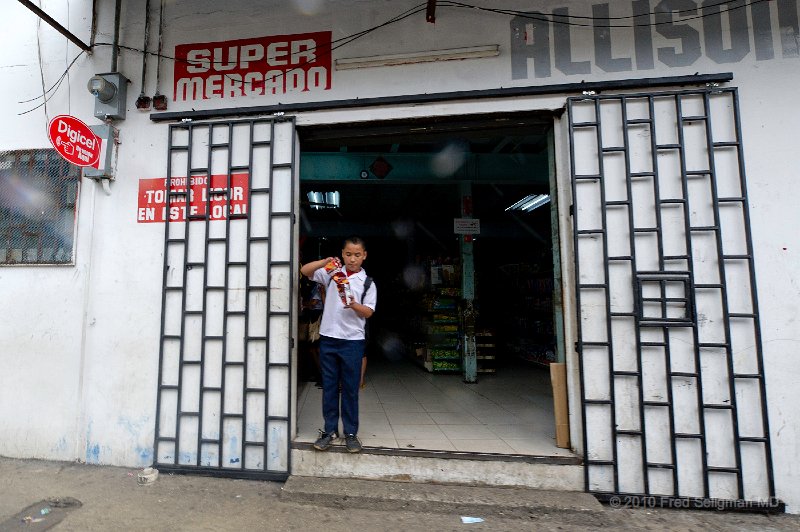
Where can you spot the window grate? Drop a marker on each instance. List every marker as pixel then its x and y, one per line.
pixel 665 299
pixel 224 388
pixel 38 198
pixel 668 330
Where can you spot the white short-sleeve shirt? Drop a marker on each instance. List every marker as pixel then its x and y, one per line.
pixel 337 321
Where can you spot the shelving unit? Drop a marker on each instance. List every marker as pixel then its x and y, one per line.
pixel 528 331
pixel 443 332
pixel 487 351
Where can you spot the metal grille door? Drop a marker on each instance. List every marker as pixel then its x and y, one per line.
pixel 673 385
pixel 224 370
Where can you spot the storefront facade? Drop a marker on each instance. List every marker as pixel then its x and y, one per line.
pixel 149 337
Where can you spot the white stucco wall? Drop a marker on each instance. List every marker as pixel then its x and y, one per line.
pixel 44 308
pixel 79 349
pixel 79 344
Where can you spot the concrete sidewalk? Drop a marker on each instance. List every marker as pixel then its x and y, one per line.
pixel 434 498
pixel 111 499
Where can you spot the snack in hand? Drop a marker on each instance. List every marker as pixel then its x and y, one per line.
pixel 345 292
pixel 334 265
pixel 334 269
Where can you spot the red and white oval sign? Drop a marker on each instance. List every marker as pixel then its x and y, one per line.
pixel 74 141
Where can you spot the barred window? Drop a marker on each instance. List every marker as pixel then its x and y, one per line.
pixel 38 193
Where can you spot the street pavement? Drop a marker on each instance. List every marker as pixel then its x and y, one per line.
pixel 42 495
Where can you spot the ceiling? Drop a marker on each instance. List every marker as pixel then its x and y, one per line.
pixel 480 134
pixel 413 198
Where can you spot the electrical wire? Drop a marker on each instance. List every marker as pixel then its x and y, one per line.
pixel 69 83
pixel 342 41
pixel 160 42
pixel 593 24
pixel 627 17
pixel 733 5
pixel 53 88
pixel 397 18
pixel 41 67
pixel 462 5
pixel 349 38
pixel 144 45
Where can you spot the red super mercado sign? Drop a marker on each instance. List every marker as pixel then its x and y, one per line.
pixel 75 141
pixel 271 65
pixel 201 194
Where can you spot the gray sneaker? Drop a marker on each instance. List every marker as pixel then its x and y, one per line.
pixel 352 443
pixel 325 440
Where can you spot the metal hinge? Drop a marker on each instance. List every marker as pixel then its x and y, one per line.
pixel 572 210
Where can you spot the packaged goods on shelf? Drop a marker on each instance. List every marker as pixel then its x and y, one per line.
pixel 446 365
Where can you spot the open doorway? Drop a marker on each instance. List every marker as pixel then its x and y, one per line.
pixel 400 185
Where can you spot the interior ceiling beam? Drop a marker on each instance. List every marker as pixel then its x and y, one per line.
pixel 430 12
pixel 56 26
pixel 530 168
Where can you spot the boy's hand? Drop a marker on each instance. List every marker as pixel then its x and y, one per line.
pixel 308 269
pixel 362 310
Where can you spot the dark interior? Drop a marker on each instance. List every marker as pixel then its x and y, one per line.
pixel 406 217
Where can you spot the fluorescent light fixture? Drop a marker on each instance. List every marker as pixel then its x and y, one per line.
pixel 332 199
pixel 324 200
pixel 529 202
pixel 452 54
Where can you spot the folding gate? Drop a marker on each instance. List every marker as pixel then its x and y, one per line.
pixel 224 371
pixel 673 391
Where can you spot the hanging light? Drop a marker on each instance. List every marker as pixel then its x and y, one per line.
pixel 316 200
pixel 324 200
pixel 332 199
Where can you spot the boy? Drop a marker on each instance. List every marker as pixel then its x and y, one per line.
pixel 342 340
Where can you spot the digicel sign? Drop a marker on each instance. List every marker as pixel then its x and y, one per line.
pixel 74 141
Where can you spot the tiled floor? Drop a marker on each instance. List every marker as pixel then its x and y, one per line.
pixel 403 406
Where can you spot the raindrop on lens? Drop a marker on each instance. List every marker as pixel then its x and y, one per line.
pixel 393 348
pixel 414 277
pixel 448 161
pixel 308 7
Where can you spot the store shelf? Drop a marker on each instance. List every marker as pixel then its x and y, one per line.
pixel 528 329
pixel 486 351
pixel 442 331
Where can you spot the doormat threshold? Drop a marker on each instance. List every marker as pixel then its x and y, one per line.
pixel 449 455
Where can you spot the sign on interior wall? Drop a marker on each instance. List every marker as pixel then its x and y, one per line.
pixel 466 226
pixel 260 66
pixel 153 198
